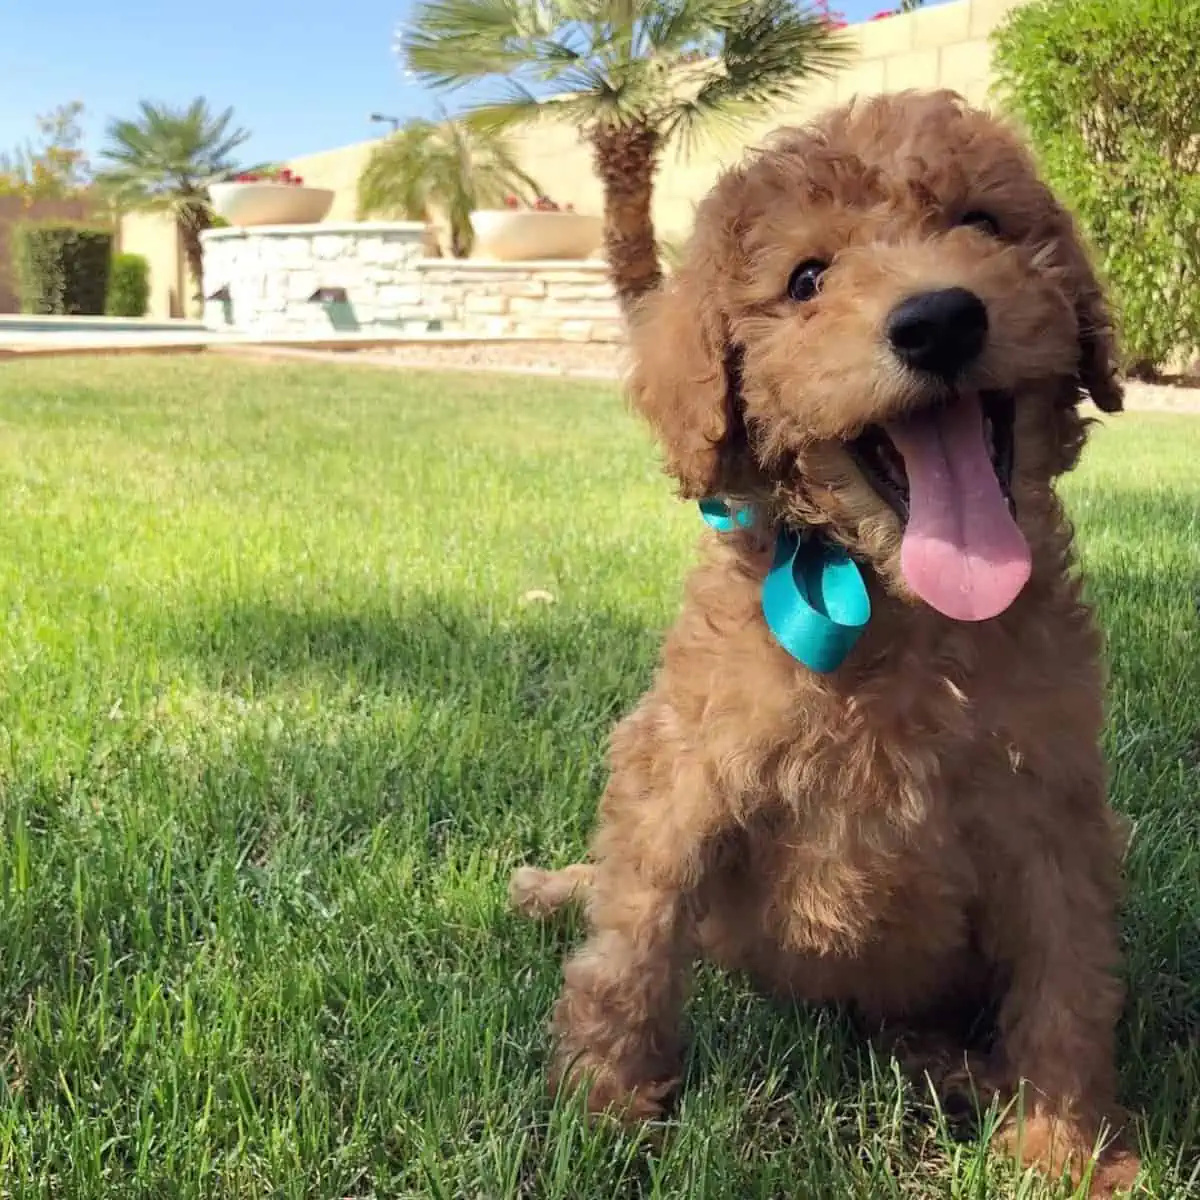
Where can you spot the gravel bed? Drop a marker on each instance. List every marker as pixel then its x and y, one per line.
pixel 605 360
pixel 1163 397
pixel 598 359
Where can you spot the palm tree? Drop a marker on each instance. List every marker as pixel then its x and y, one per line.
pixel 164 160
pixel 440 168
pixel 633 76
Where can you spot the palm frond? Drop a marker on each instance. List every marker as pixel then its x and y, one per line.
pixel 770 52
pixel 636 90
pixel 514 105
pixel 390 184
pixel 681 67
pixel 445 167
pixel 168 151
pixel 684 25
pixel 775 39
pixel 450 43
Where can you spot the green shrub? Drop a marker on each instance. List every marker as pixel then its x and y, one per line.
pixel 61 268
pixel 1107 91
pixel 128 286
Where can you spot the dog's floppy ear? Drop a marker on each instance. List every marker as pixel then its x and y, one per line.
pixel 1098 357
pixel 1098 354
pixel 685 381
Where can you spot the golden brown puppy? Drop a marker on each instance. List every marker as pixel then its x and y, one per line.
pixel 881 334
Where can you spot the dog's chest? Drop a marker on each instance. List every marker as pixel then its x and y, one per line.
pixel 838 883
pixel 863 844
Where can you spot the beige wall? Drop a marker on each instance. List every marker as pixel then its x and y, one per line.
pixel 944 46
pixel 338 169
pixel 154 236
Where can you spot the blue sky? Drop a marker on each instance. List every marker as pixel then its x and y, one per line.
pixel 301 75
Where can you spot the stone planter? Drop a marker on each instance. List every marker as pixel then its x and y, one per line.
pixel 526 235
pixel 264 203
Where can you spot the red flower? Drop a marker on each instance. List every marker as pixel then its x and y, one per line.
pixel 540 204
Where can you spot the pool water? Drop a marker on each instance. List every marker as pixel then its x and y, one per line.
pixel 21 331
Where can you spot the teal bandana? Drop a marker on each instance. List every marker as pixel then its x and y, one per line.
pixel 814 597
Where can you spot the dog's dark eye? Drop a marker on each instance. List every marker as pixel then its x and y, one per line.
pixel 982 221
pixel 805 281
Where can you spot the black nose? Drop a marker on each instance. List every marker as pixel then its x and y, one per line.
pixel 939 332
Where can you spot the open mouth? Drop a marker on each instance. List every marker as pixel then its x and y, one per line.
pixel 877 457
pixel 947 471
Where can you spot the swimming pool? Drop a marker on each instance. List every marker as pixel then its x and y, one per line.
pixel 20 323
pixel 35 326
pixel 28 332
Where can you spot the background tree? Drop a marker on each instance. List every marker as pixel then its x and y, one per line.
pixel 164 160
pixel 441 169
pixel 56 167
pixel 633 75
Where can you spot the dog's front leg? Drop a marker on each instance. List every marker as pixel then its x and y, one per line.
pixel 617 1022
pixel 1051 925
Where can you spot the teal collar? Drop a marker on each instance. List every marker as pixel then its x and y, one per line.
pixel 814 597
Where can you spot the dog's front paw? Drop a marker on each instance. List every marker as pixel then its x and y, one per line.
pixel 1057 1146
pixel 607 1090
pixel 1116 1175
pixel 623 1066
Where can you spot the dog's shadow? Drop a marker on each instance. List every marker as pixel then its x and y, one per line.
pixel 478 697
pixel 520 669
pixel 828 1054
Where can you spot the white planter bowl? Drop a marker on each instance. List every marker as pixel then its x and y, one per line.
pixel 270 203
pixel 514 234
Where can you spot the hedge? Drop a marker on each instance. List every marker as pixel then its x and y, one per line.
pixel 61 268
pixel 128 286
pixel 1108 93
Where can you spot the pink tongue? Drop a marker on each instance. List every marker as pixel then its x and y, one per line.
pixel 962 552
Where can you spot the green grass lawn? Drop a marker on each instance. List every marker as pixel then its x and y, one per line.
pixel 276 725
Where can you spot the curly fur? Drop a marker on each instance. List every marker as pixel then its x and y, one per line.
pixel 926 829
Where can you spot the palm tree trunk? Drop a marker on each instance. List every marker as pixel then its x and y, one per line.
pixel 194 257
pixel 193 220
pixel 626 159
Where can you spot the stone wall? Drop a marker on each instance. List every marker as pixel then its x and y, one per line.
pixel 557 301
pixel 262 279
